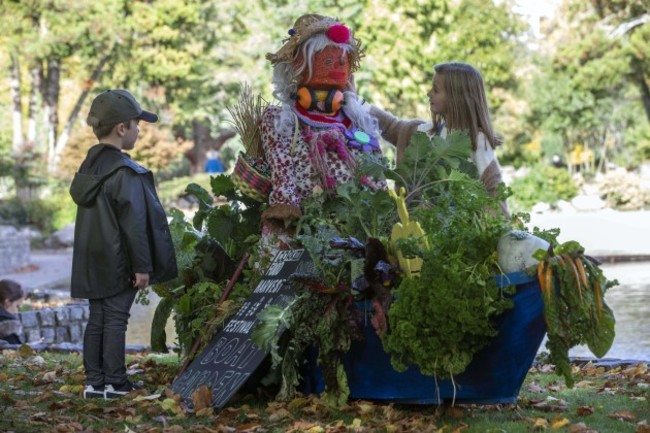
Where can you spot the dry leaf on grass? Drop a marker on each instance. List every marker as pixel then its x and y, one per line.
pixel 202 398
pixel 558 423
pixel 540 424
pixel 580 428
pixel 585 410
pixel 623 415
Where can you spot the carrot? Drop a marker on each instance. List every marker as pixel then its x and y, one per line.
pixel 548 281
pixel 599 299
pixel 572 266
pixel 581 271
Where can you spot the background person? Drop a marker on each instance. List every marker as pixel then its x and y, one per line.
pixel 12 296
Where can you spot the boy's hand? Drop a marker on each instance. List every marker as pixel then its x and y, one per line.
pixel 141 280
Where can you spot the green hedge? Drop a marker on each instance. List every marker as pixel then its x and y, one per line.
pixel 543 183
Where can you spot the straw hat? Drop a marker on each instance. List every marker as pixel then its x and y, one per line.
pixel 309 25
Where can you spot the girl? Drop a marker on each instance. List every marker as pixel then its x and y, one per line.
pixel 457 102
pixel 11 297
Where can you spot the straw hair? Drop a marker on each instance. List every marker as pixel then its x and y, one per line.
pixel 246 116
pixel 467 107
pixel 305 27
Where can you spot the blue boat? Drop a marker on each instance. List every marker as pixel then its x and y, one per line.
pixel 494 376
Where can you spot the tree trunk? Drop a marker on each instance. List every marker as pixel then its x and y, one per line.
pixel 31 113
pixel 51 99
pixel 62 140
pixel 640 80
pixel 203 142
pixel 17 106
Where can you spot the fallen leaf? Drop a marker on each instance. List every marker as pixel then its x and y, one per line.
pixel 249 427
pixel 205 412
pixel 642 428
pixel 48 377
pixel 72 389
pixel 540 424
pixel 558 423
pixel 623 415
pixel 279 414
pixel 580 428
pixel 297 402
pixel 171 405
pixel 202 397
pixel 147 397
pixel 585 410
pixel 551 404
pixel 533 387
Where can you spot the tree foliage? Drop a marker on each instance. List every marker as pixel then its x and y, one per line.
pixel 594 76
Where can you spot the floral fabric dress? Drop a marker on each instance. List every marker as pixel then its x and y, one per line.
pixel 320 155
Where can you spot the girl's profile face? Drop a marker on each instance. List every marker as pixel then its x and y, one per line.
pixel 437 96
pixel 12 306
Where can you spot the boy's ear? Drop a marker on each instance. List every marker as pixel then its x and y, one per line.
pixel 119 129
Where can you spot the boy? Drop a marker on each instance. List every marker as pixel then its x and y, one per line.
pixel 122 241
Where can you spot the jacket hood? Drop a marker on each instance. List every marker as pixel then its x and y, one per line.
pixel 100 163
pixel 85 187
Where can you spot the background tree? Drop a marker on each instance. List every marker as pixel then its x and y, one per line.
pixel 590 82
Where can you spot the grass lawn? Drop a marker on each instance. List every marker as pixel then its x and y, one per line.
pixel 41 392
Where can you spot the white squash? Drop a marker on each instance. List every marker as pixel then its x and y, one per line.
pixel 516 250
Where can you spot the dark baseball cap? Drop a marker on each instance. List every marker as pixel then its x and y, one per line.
pixel 114 106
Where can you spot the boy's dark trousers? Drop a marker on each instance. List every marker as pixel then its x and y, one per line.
pixel 105 339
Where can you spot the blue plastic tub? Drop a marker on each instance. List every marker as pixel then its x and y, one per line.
pixel 495 375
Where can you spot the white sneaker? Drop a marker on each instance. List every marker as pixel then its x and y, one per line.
pixel 94 391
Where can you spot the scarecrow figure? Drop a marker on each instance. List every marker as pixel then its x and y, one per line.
pixel 312 140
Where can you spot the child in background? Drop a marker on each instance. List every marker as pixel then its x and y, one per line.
pixel 458 103
pixel 11 297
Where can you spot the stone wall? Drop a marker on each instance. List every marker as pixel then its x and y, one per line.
pixel 14 249
pixel 55 325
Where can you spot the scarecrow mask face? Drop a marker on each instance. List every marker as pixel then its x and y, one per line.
pixel 331 70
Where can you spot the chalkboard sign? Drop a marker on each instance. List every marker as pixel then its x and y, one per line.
pixel 231 357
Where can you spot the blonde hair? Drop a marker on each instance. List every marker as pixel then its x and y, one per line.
pixel 467 107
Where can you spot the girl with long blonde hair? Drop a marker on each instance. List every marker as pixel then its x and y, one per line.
pixel 457 102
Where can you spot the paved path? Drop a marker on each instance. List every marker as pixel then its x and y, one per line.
pixel 603 233
pixel 48 270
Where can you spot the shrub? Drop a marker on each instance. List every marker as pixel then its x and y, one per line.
pixel 624 191
pixel 170 191
pixel 47 215
pixel 543 183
